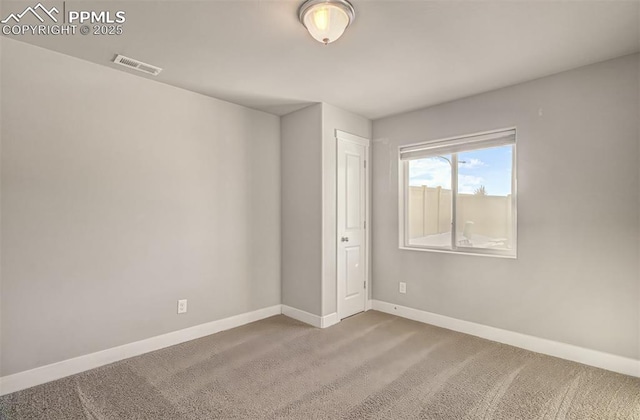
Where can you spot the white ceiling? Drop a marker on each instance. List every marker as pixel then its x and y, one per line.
pixel 397 56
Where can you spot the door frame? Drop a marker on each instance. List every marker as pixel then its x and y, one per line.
pixel 362 141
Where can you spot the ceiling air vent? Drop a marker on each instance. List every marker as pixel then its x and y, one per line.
pixel 137 65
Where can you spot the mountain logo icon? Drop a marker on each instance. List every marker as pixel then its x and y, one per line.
pixel 34 11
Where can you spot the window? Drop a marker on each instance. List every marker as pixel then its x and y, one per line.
pixel 459 194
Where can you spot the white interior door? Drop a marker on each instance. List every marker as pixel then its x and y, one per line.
pixel 351 234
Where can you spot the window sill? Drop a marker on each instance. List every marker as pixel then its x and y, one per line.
pixel 448 251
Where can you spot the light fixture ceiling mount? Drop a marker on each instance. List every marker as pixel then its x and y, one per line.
pixel 326 20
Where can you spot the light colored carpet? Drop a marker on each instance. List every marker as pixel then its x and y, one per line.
pixel 370 366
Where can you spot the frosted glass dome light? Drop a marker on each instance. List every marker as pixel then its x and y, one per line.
pixel 326 20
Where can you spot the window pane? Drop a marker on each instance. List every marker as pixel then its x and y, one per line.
pixel 429 202
pixel 484 202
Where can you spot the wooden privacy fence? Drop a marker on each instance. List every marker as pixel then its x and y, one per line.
pixel 430 213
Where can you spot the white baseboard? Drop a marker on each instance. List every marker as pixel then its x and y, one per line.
pixel 309 318
pixel 329 320
pixel 43 374
pixel 578 354
pixel 302 316
pixel 368 305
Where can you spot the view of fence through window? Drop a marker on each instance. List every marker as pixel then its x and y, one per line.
pixel 474 185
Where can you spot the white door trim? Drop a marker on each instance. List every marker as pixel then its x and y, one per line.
pixel 352 138
pixel 343 135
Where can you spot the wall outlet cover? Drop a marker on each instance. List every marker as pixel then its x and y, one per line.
pixel 403 287
pixel 182 306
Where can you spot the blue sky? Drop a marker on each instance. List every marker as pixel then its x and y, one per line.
pixel 488 167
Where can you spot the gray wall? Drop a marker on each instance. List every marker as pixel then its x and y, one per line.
pixel 302 209
pixel 576 279
pixel 638 117
pixel 121 195
pixel 309 204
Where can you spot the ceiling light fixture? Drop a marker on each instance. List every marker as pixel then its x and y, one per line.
pixel 326 20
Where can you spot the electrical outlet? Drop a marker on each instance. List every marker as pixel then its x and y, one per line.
pixel 403 287
pixel 182 306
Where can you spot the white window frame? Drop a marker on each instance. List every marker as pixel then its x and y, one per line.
pixel 454 248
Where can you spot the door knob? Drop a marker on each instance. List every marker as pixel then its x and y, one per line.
pixel 344 239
